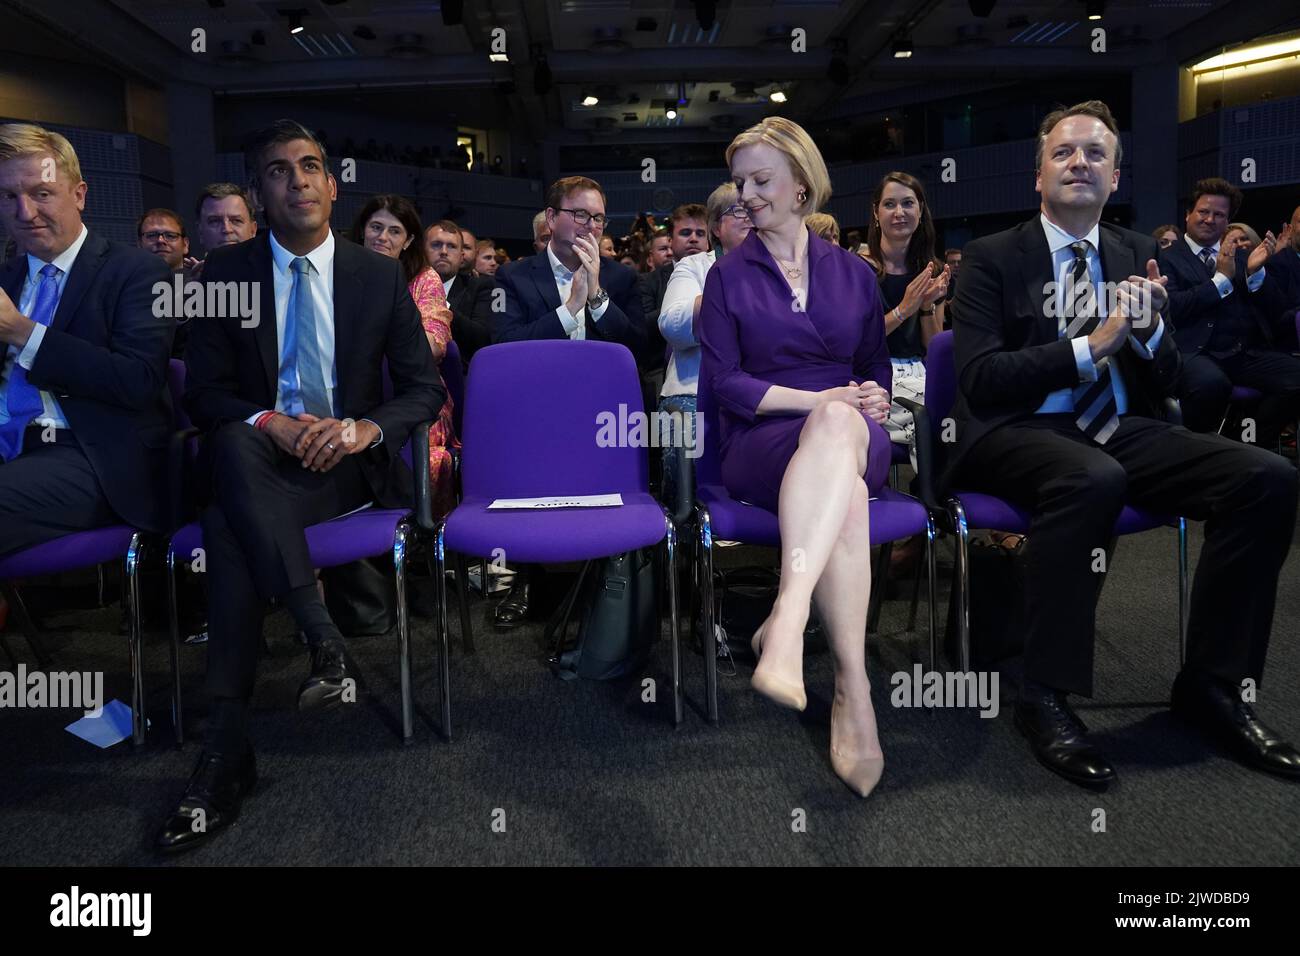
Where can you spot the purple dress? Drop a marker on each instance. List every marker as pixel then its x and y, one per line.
pixel 752 337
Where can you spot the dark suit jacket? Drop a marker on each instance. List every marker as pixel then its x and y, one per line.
pixel 104 357
pixel 652 286
pixel 1008 350
pixel 531 301
pixel 470 301
pixel 233 371
pixel 1283 268
pixel 1195 305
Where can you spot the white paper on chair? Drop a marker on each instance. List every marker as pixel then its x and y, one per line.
pixel 557 501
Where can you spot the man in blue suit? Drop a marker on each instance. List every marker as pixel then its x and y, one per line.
pixel 84 410
pixel 1221 311
pixel 567 291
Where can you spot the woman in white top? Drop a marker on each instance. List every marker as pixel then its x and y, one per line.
pixel 728 225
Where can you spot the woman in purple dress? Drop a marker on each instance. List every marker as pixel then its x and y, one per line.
pixel 793 345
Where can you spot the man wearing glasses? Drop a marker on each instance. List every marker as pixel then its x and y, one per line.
pixel 567 291
pixel 161 232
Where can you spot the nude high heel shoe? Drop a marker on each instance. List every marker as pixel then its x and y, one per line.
pixel 784 692
pixel 860 774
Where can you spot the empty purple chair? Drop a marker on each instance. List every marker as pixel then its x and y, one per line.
pixel 964 510
pixel 533 429
pixel 369 533
pixel 894 516
pixel 86 549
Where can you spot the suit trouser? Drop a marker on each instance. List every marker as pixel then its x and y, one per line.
pixel 49 491
pixel 1207 386
pixel 255 541
pixel 1076 489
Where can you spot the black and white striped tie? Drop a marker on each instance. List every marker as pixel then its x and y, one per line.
pixel 1094 402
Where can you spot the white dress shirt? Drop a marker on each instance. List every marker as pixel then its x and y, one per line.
pixel 1058 242
pixel 1222 282
pixel 574 325
pixel 677 323
pixel 51 414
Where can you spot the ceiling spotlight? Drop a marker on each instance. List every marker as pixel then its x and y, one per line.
pixel 295 19
pixel 706 12
pixel 499 57
pixel 903 48
pixel 670 112
pixel 981 8
pixel 777 96
pixel 1096 8
pixel 590 100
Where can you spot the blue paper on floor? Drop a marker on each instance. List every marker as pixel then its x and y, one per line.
pixel 111 727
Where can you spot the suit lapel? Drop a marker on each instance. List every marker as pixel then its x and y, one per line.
pixel 539 267
pixel 12 276
pixel 84 269
pixel 1036 278
pixel 265 334
pixel 347 311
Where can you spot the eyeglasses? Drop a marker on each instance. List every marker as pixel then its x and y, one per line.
pixel 738 211
pixel 157 234
pixel 582 217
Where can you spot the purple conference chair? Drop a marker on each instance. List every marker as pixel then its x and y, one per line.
pixel 894 516
pixel 964 510
pixel 85 549
pixel 533 414
pixel 368 533
pixel 1241 397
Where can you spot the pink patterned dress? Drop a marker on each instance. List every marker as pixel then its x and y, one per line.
pixel 430 298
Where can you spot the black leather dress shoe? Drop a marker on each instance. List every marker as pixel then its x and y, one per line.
pixel 331 672
pixel 211 801
pixel 1216 708
pixel 513 609
pixel 1059 738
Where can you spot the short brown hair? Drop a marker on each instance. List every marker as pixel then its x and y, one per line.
pixel 26 139
pixel 1094 108
pixel 222 191
pixel 1214 186
pixel 689 210
pixel 161 212
pixel 562 189
pixel 446 225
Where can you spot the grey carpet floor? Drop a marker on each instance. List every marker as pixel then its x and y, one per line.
pixel 588 773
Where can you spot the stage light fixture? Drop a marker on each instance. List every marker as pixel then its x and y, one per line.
pixel 295 20
pixel 706 12
pixel 590 100
pixel 1096 9
pixel 777 96
pixel 670 112
pixel 902 48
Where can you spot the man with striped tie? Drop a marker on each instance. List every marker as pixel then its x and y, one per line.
pixel 1225 307
pixel 84 410
pixel 298 432
pixel 1063 357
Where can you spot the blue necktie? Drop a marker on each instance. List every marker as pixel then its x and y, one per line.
pixel 24 398
pixel 302 379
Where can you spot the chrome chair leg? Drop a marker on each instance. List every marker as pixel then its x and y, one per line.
pixel 135 644
pixel 174 626
pixel 462 590
pixel 1182 592
pixel 962 595
pixel 444 651
pixel 400 541
pixel 710 650
pixel 931 574
pixel 670 549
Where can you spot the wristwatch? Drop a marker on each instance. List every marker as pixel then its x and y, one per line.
pixel 597 300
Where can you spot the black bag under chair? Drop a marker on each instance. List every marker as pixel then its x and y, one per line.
pixel 996 596
pixel 619 621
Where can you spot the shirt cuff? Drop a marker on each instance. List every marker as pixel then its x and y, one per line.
pixel 28 355
pixel 1148 350
pixel 252 419
pixel 1224 285
pixel 1083 359
pixel 380 440
pixel 597 312
pixel 567 319
pixel 1253 282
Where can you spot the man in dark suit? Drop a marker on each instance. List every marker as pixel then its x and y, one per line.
pixel 688 234
pixel 1223 306
pixel 567 291
pixel 1283 268
pixel 468 296
pixel 84 410
pixel 297 432
pixel 1060 377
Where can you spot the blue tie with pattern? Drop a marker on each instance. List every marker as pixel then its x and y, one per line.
pixel 302 377
pixel 24 398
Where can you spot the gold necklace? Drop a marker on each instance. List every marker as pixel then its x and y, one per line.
pixel 794 273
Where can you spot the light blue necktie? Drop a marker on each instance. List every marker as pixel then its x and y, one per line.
pixel 302 379
pixel 24 399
